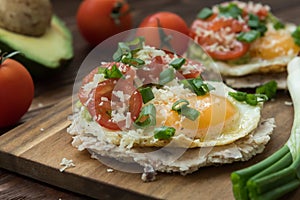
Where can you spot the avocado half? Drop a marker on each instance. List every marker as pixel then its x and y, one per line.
pixel 42 55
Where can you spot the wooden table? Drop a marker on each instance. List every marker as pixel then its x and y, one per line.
pixel 51 91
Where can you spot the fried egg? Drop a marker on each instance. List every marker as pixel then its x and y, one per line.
pixel 222 120
pixel 268 54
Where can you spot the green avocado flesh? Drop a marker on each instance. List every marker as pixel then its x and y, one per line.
pixel 40 55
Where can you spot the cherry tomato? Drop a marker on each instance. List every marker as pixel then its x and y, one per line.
pixel 97 20
pixel 16 92
pixel 166 20
pixel 221 44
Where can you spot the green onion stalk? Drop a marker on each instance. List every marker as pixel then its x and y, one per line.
pixel 278 174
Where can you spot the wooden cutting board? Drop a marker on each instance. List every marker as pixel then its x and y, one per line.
pixel 36 148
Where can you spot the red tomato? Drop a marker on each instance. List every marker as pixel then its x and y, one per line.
pixel 150 73
pixel 255 8
pixel 99 101
pixel 167 20
pixel 125 69
pixel 97 20
pixel 225 49
pixel 100 105
pixel 16 92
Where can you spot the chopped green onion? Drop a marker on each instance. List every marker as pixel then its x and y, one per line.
pixel 166 76
pixel 136 43
pixel 278 174
pixel 253 21
pixel 147 94
pixel 269 89
pixel 251 99
pixel 114 72
pixel 249 36
pixel 262 29
pixel 123 49
pixel 277 24
pixel 296 35
pixel 256 24
pixel 190 113
pixel 177 63
pixel 164 132
pixel 197 85
pixel 239 96
pixel 177 106
pixel 205 13
pixel 181 106
pixel 136 62
pixel 232 10
pixel 126 51
pixel 147 117
pixel 101 70
pixel 262 97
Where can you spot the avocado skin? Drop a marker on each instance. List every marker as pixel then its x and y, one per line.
pixel 36 69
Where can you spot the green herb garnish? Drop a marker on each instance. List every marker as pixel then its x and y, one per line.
pixel 197 85
pixel 205 13
pixel 147 94
pixel 253 21
pixel 136 62
pixel 126 50
pixel 249 36
pixel 262 94
pixel 164 132
pixel 251 99
pixel 166 76
pixel 232 10
pixel 181 106
pixel 277 24
pixel 269 89
pixel 256 24
pixel 296 35
pixel 177 63
pixel 114 72
pixel 147 117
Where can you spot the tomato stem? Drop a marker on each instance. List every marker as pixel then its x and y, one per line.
pixel 164 38
pixel 116 12
pixel 5 55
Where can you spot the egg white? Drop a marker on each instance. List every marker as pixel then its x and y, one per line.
pixel 249 117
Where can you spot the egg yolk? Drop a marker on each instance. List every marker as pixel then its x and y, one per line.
pixel 216 113
pixel 274 44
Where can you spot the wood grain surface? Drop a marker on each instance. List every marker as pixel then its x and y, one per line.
pixel 58 88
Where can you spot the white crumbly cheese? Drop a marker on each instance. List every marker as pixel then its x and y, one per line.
pixel 147 53
pixel 288 103
pixel 66 164
pixel 109 170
